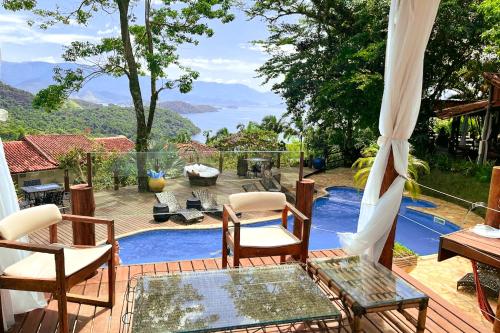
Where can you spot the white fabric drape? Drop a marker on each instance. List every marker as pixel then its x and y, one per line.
pixel 13 301
pixel 410 25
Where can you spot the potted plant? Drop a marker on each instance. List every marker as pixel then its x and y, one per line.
pixel 156 180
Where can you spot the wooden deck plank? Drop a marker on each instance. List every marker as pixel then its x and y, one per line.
pixel 441 316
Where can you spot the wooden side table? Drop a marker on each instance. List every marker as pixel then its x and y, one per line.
pixel 367 287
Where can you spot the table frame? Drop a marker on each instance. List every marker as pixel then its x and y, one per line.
pixel 358 310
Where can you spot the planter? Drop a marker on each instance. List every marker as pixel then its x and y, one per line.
pixel 318 163
pixel 156 184
pixel 407 263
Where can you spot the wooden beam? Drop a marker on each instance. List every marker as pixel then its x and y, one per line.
pixel 389 177
pixel 493 216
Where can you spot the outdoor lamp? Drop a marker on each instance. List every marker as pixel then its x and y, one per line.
pixel 3 115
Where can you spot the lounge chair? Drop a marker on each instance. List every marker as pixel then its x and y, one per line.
pixel 175 209
pixel 270 184
pixel 208 202
pixel 489 278
pixel 250 187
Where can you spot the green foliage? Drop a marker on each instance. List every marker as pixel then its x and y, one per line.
pixel 460 167
pixel 328 61
pixel 416 168
pixel 73 161
pixel 77 116
pixel 402 251
pixel 248 139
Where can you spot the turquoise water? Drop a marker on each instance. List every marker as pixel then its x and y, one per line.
pixel 230 118
pixel 336 213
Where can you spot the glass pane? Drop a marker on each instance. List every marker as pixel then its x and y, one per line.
pixel 225 299
pixel 369 284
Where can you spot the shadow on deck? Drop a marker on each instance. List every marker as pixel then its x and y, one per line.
pixel 441 315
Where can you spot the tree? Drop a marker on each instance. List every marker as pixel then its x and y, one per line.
pixel 327 61
pixel 147 47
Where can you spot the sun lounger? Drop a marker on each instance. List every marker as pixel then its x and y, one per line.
pixel 174 209
pixel 250 188
pixel 208 201
pixel 270 184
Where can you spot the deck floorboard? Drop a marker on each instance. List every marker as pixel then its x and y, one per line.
pixel 441 316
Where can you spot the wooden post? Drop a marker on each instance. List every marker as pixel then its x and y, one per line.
pixel 493 217
pixel 389 176
pixel 66 180
pixel 485 133
pixel 301 168
pixel 82 203
pixel 89 169
pixel 221 161
pixel 278 161
pixel 304 203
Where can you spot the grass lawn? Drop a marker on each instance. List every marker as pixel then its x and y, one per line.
pixel 465 187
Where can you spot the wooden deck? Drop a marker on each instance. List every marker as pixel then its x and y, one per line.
pixel 441 315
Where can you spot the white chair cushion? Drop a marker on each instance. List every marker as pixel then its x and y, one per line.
pixel 29 220
pixel 265 237
pixel 257 201
pixel 203 170
pixel 42 265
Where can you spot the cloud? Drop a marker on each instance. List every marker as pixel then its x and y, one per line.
pixel 51 59
pixel 108 31
pixel 221 64
pixel 252 47
pixel 287 48
pixel 15 30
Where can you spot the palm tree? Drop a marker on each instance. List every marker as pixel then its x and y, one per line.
pixel 416 167
pixel 206 134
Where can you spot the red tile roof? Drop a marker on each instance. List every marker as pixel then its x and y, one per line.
pixel 54 145
pixel 116 143
pixel 195 147
pixel 41 152
pixel 22 157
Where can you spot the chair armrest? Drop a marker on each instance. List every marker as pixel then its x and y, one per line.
pixel 231 214
pixel 86 219
pixel 298 214
pixel 51 249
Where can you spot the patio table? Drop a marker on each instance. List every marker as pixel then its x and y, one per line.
pixel 367 287
pixel 33 193
pixel 221 300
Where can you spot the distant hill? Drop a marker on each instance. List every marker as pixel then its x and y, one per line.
pixel 33 76
pixel 78 116
pixel 187 108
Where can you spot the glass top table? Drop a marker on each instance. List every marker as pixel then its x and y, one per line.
pixel 368 283
pixel 221 300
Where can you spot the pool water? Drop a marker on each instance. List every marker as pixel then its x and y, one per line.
pixel 337 212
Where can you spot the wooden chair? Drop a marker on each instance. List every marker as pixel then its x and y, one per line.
pixel 55 268
pixel 249 242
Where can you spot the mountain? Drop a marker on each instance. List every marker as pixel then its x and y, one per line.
pixel 186 108
pixel 78 116
pixel 33 76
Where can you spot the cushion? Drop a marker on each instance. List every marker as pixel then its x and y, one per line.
pixel 257 201
pixel 29 220
pixel 201 170
pixel 42 265
pixel 265 237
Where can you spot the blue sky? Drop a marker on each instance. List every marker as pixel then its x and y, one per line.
pixel 228 57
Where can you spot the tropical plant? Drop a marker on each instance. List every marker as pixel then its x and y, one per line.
pixel 416 167
pixel 147 46
pixel 73 161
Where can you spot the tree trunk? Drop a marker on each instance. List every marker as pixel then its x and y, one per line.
pixel 141 144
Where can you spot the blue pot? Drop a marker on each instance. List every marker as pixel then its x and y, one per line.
pixel 318 163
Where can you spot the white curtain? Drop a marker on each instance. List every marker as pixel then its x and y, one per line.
pixel 410 25
pixel 13 301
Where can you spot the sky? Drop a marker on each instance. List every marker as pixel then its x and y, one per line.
pixel 227 57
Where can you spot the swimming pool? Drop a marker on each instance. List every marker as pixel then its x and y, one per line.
pixel 337 212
